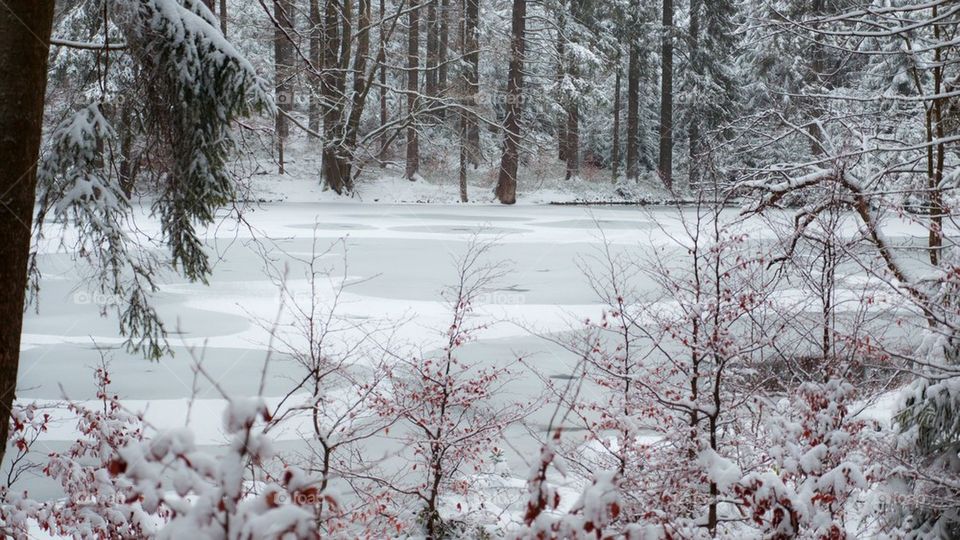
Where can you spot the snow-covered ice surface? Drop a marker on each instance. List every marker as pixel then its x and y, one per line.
pixel 398 259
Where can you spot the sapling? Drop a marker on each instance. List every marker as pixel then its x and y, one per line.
pixel 449 408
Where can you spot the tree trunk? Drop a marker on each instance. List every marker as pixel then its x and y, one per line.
pixel 361 87
pixel 283 72
pixel 125 170
pixel 463 157
pixel 693 130
pixel 463 89
pixel 563 119
pixel 817 68
pixel 336 57
pixel 413 76
pixel 382 60
pixel 665 161
pixel 346 40
pixel 433 49
pixel 24 45
pixel 223 17
pixel 562 139
pixel 444 47
pixel 472 56
pixel 573 140
pixel 615 151
pixel 509 163
pixel 633 101
pixel 342 117
pixel 936 152
pixel 572 105
pixel 316 58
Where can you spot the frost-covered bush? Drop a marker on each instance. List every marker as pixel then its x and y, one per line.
pixel 672 410
pixel 118 483
pixel 593 515
pixel 449 411
pixel 822 461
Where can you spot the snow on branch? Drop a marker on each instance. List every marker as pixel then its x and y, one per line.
pixel 74 186
pixel 197 84
pixel 72 44
pixel 201 85
pixel 858 199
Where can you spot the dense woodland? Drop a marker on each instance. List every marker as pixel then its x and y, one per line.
pixel 719 409
pixel 409 86
pixel 622 89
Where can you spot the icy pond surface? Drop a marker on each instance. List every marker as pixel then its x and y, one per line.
pixel 398 258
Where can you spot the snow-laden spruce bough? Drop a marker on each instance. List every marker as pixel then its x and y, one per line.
pixel 193 83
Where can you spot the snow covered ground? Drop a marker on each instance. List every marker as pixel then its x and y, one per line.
pixel 396 261
pixel 543 181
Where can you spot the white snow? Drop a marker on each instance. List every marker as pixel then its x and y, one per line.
pixel 398 258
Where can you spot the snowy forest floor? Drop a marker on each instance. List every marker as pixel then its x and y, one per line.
pixel 541 181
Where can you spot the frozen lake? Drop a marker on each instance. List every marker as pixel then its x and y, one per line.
pixel 398 259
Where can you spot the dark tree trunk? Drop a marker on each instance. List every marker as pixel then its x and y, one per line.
pixel 342 118
pixel 633 102
pixel 223 17
pixel 693 130
pixel 329 94
pixel 338 160
pixel 382 61
pixel 936 151
pixel 283 72
pixel 472 56
pixel 316 58
pixel 24 45
pixel 361 87
pixel 464 89
pixel 510 161
pixel 336 59
pixel 615 150
pixel 125 170
pixel 413 88
pixel 463 157
pixel 572 105
pixel 562 138
pixel 562 121
pixel 346 40
pixel 433 49
pixel 665 161
pixel 817 68
pixel 573 141
pixel 444 47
